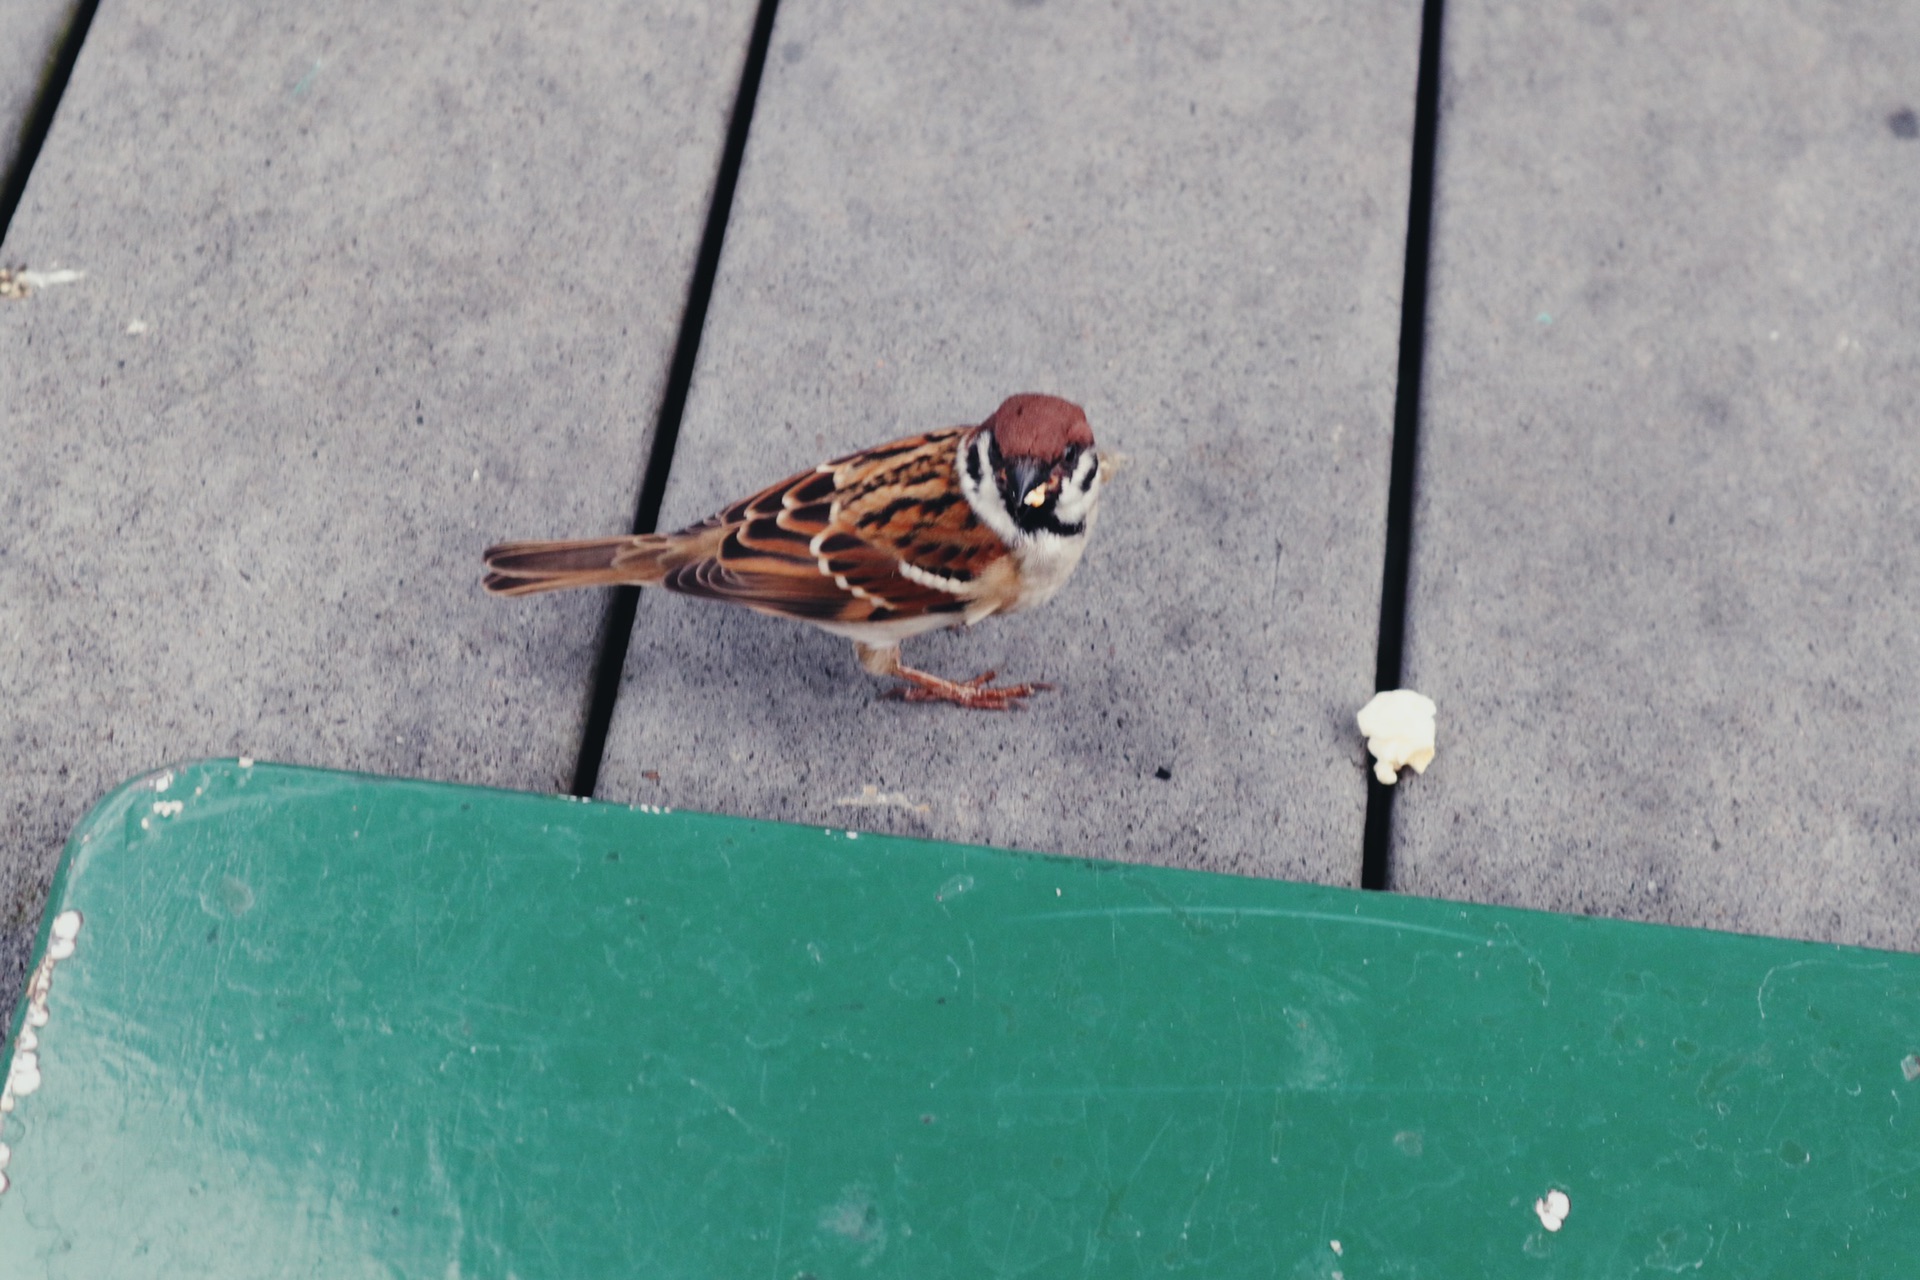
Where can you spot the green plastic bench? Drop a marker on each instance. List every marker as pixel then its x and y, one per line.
pixel 288 1022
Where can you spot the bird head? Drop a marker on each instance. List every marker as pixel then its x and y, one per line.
pixel 1037 454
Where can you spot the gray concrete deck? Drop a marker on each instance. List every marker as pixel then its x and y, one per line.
pixel 367 290
pixel 32 34
pixel 1192 224
pixel 404 279
pixel 1667 538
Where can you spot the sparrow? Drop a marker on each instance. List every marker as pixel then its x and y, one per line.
pixel 933 531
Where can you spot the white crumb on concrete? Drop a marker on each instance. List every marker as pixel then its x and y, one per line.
pixel 1552 1209
pixel 1399 729
pixel 872 797
pixel 41 279
pixel 136 327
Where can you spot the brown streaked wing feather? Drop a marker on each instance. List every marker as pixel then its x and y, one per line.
pixel 884 495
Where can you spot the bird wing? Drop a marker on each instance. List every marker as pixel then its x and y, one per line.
pixel 877 535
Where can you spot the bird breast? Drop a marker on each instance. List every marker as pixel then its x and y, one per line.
pixel 1046 561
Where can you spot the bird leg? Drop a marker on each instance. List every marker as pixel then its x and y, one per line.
pixel 922 686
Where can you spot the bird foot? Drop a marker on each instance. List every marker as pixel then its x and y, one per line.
pixel 976 693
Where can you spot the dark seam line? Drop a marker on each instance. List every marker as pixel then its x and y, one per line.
pixel 1376 843
pixel 39 121
pixel 618 632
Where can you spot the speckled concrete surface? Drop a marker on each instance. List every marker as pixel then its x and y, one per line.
pixel 1191 222
pixel 366 287
pixel 33 29
pixel 1667 532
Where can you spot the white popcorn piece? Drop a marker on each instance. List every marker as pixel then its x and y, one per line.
pixel 1398 725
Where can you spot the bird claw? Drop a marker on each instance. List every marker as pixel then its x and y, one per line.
pixel 975 693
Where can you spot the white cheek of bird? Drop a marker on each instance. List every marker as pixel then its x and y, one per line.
pixel 1398 726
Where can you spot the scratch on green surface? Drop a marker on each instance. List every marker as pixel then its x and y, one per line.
pixel 1254 913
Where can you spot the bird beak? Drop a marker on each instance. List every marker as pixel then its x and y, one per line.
pixel 1030 483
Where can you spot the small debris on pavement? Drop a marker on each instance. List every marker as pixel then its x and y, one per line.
pixel 1398 725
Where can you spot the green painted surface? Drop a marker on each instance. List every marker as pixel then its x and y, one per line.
pixel 322 1025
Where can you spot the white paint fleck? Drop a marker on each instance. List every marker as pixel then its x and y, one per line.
pixel 25 1076
pixel 169 808
pixel 246 762
pixel 23 1073
pixel 136 327
pixel 1335 1246
pixel 953 887
pixel 162 782
pixel 1552 1209
pixel 1910 1066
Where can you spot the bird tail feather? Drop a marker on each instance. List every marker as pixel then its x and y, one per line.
pixel 523 568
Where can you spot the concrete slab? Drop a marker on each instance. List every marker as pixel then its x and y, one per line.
pixel 33 32
pixel 367 286
pixel 1667 525
pixel 1193 224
